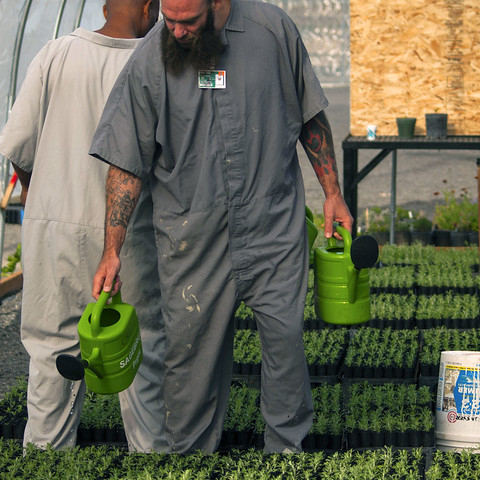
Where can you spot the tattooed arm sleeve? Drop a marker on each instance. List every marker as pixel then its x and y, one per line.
pixel 316 138
pixel 123 190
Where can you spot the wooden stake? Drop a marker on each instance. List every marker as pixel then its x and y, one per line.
pixel 8 192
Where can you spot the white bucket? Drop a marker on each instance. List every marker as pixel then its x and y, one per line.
pixel 457 419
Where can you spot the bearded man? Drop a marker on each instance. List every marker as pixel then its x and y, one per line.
pixel 209 109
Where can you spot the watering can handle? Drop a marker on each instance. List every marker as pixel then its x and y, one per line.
pixel 346 237
pixel 98 309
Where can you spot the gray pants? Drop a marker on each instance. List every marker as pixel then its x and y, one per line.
pixel 201 292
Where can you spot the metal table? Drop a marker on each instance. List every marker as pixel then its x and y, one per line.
pixel 389 144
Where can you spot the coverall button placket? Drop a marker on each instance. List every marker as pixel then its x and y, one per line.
pixel 235 180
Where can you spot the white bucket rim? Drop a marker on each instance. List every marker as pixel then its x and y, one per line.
pixel 460 352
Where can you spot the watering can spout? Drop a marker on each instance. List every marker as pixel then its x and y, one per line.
pixel 94 362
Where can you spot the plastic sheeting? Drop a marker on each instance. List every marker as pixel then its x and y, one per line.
pixel 25 26
pixel 325 29
pixel 45 19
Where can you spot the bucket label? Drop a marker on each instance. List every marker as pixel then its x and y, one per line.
pixel 461 393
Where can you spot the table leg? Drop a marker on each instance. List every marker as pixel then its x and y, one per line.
pixel 393 197
pixel 350 187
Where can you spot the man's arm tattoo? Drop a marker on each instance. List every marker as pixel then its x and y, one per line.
pixel 317 140
pixel 122 195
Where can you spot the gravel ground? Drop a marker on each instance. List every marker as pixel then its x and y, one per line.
pixel 421 177
pixel 13 358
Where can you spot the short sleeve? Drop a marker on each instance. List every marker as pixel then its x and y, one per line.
pixel 125 136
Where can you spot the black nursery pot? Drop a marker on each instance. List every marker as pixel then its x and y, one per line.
pixel 436 125
pixel 425 238
pixel 441 238
pixel 459 239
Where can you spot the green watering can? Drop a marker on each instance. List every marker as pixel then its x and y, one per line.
pixel 341 280
pixel 110 347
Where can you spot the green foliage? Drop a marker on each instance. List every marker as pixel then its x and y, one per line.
pixel 371 347
pixel 456 213
pixel 407 254
pixel 392 276
pixel 447 305
pixel 12 261
pixel 422 224
pixel 390 306
pixel 244 312
pixel 95 463
pixel 13 407
pixel 243 408
pixel 452 465
pixel 376 219
pixel 327 406
pixel 325 347
pixel 389 407
pixel 437 340
pixel 246 347
pixel 101 411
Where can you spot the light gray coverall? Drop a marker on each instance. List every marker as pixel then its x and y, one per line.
pixel 49 132
pixel 229 215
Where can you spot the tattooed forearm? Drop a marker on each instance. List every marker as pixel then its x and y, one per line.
pixel 317 141
pixel 123 190
pixel 121 209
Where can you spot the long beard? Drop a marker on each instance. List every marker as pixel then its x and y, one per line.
pixel 202 54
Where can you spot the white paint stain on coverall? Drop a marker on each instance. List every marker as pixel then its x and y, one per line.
pixel 190 299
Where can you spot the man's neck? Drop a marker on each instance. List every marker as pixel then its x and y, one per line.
pixel 222 11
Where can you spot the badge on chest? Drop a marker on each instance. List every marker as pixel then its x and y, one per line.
pixel 212 79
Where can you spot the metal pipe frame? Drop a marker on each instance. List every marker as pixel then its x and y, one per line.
pixel 11 98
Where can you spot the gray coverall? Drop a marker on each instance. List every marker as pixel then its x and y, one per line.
pixel 229 215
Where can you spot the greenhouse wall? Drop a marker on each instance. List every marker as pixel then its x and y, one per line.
pixel 324 25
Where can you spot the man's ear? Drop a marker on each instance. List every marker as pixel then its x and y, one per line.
pixel 147 8
pixel 105 11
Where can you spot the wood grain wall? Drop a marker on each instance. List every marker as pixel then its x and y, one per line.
pixel 409 58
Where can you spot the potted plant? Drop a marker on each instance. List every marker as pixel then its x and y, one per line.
pixel 377 222
pixel 455 215
pixel 421 230
pixel 467 226
pixel 403 225
pixel 445 219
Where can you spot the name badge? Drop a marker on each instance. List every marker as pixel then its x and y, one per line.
pixel 212 79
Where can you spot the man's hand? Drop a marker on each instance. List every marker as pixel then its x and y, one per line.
pixel 335 210
pixel 107 276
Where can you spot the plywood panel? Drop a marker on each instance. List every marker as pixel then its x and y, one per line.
pixel 411 58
